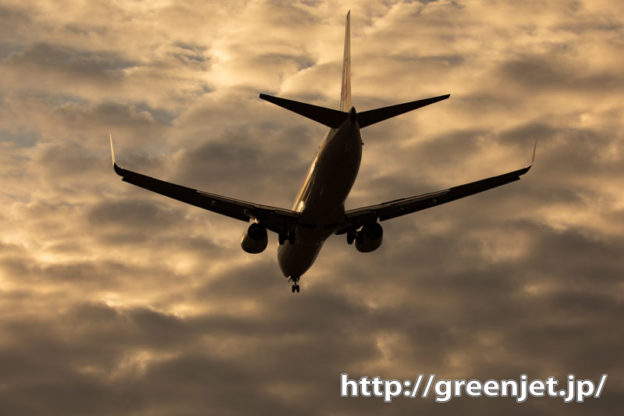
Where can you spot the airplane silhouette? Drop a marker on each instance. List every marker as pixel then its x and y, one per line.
pixel 318 211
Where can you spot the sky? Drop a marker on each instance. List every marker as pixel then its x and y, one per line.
pixel 117 301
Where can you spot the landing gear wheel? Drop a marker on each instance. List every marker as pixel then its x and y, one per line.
pixel 350 237
pixel 295 284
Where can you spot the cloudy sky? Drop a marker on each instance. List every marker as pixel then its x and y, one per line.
pixel 117 301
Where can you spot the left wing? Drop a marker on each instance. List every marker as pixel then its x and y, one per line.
pixel 279 220
pixel 356 218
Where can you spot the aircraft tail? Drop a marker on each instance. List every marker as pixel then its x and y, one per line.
pixel 334 118
pixel 327 116
pixel 345 93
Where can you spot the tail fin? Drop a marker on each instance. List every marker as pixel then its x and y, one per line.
pixel 345 93
pixel 326 116
pixel 334 118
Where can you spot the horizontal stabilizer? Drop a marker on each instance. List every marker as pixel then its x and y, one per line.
pixel 367 118
pixel 326 116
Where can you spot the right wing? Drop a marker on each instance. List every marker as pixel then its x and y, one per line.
pixel 275 219
pixel 356 218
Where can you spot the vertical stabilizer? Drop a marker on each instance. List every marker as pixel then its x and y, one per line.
pixel 345 93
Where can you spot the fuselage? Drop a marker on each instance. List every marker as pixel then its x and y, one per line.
pixel 321 197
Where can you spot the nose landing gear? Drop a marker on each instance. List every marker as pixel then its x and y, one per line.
pixel 295 284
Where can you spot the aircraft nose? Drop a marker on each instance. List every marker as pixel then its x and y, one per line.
pixel 294 260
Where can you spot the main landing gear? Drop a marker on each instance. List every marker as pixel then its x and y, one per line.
pixel 295 286
pixel 351 236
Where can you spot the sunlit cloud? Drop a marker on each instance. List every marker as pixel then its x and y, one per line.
pixel 119 301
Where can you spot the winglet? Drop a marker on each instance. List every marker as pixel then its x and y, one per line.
pixel 532 158
pixel 534 149
pixel 525 170
pixel 119 171
pixel 112 149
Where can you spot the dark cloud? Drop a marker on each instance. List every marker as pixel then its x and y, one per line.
pixel 12 20
pixel 135 214
pixel 70 63
pixel 600 23
pixel 119 301
pixel 85 29
pixel 542 73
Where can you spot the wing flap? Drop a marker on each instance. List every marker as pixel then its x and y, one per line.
pixel 221 205
pixel 274 218
pixel 392 209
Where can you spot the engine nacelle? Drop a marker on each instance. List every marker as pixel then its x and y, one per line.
pixel 369 238
pixel 255 239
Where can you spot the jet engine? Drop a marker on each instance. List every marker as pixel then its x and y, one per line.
pixel 255 239
pixel 369 238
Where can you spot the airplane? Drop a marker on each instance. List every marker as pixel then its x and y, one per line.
pixel 318 211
